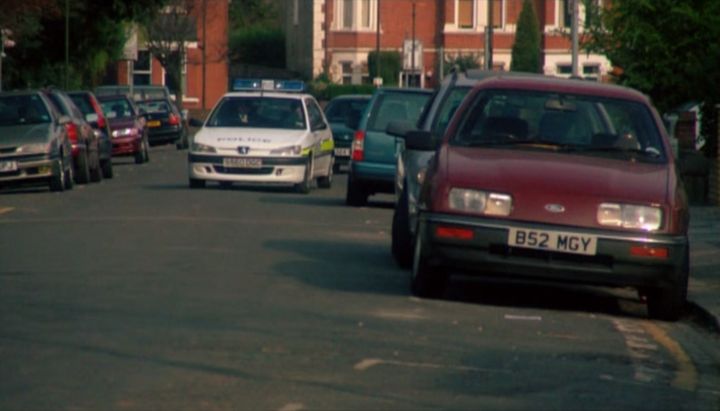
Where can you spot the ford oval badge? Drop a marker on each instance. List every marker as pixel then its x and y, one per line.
pixel 555 208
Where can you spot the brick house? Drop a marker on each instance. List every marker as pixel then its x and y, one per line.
pixel 337 35
pixel 208 81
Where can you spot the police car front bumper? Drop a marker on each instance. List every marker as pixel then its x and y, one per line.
pixel 284 170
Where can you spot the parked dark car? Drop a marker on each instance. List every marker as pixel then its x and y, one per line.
pixel 340 112
pixel 411 164
pixel 127 127
pixel 34 143
pixel 139 93
pixel 542 179
pixel 165 124
pixel 85 143
pixel 90 107
pixel 374 152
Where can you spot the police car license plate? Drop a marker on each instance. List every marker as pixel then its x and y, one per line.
pixel 560 241
pixel 232 162
pixel 153 123
pixel 7 166
pixel 344 152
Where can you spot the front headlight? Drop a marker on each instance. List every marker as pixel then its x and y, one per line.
pixel 629 216
pixel 287 151
pixel 36 148
pixel 480 202
pixel 203 148
pixel 125 132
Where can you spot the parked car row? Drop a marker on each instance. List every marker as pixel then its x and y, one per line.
pixel 59 138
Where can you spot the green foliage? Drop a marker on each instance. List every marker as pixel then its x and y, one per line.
pixel 390 66
pixel 462 62
pixel 248 13
pixel 667 49
pixel 96 34
pixel 526 50
pixel 264 46
pixel 326 91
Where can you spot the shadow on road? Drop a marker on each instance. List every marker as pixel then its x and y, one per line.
pixel 369 268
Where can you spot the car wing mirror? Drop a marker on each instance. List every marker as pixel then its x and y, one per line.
pixel 420 140
pixel 195 122
pixel 399 128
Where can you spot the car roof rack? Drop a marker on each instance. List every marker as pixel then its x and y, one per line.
pixel 253 84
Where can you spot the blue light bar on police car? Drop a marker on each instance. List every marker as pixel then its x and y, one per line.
pixel 246 84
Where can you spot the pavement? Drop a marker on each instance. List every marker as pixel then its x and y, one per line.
pixel 704 287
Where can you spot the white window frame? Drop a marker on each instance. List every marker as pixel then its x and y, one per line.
pixel 480 11
pixel 338 21
pixel 147 72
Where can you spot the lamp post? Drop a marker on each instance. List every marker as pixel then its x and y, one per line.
pixel 377 81
pixel 412 53
pixel 574 35
pixel 67 42
pixel 489 37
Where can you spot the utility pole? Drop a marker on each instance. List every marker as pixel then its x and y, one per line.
pixel 67 42
pixel 412 56
pixel 377 81
pixel 574 35
pixel 489 37
pixel 204 47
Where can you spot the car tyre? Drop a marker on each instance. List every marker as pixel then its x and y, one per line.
pixel 197 183
pixel 58 179
pixel 326 181
pixel 107 168
pixel 142 156
pixel 82 168
pixel 96 171
pixel 401 239
pixel 426 280
pixel 304 186
pixel 69 176
pixel 667 303
pixel 356 194
pixel 182 143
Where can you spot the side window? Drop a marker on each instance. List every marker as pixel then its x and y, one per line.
pixel 316 118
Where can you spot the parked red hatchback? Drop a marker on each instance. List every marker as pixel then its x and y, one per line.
pixel 554 179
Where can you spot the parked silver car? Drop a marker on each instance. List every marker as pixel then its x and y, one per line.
pixel 411 164
pixel 34 144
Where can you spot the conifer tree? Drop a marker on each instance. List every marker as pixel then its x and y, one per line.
pixel 526 50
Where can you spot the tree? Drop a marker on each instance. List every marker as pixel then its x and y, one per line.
pixel 166 33
pixel 667 49
pixel 462 62
pixel 526 50
pixel 256 33
pixel 96 33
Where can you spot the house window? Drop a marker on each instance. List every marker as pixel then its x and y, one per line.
pixel 497 13
pixel 355 14
pixel 564 13
pixel 591 71
pixel 142 68
pixel 466 14
pixel 172 85
pixel 347 71
pixel 564 69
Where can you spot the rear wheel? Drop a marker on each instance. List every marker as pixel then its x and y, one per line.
pixel 667 303
pixel 426 281
pixel 82 169
pixel 96 170
pixel 401 239
pixel 326 181
pixel 107 168
pixel 356 194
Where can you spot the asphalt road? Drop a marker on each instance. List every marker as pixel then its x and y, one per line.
pixel 140 294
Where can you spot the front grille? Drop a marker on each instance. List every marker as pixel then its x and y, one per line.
pixel 244 171
pixel 552 256
pixel 8 150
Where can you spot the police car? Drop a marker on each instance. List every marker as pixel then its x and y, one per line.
pixel 266 132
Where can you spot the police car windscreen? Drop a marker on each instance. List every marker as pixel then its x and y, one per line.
pixel 259 112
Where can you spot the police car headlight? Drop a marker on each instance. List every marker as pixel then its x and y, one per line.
pixel 287 151
pixel 629 216
pixel 479 202
pixel 203 148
